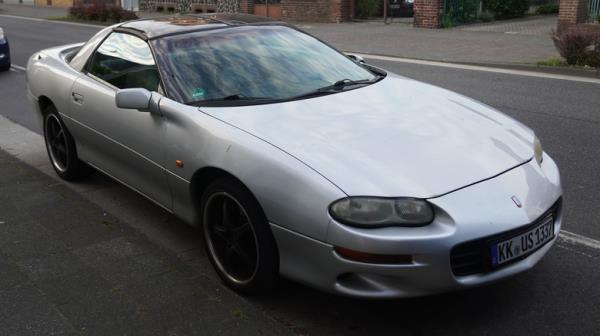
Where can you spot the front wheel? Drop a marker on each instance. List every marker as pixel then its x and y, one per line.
pixel 237 237
pixel 61 148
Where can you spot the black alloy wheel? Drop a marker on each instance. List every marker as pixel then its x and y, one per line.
pixel 237 237
pixel 61 148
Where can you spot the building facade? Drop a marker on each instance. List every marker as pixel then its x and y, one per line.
pixel 426 12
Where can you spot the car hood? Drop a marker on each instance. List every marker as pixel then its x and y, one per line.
pixel 397 137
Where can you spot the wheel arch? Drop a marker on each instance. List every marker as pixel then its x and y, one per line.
pixel 44 102
pixel 201 179
pixel 41 104
pixel 204 176
pixel 267 268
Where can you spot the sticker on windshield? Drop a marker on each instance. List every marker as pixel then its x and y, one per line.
pixel 198 94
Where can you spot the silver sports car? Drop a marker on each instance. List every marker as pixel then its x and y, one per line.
pixel 297 160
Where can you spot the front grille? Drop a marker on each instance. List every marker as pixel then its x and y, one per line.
pixel 474 257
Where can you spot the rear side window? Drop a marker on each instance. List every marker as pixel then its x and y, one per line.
pixel 125 61
pixel 80 59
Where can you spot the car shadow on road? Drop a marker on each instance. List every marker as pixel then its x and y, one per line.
pixel 307 311
pixel 478 311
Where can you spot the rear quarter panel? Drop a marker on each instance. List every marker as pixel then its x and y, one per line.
pixel 49 75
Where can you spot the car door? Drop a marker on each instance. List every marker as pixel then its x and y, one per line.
pixel 126 144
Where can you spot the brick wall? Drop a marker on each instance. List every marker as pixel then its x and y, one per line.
pixel 571 12
pixel 316 10
pixel 427 13
pixel 339 10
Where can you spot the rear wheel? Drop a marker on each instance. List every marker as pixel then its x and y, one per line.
pixel 237 237
pixel 61 148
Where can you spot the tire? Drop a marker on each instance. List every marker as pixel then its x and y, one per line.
pixel 5 67
pixel 61 148
pixel 232 219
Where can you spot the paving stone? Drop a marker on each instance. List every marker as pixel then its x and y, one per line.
pixel 133 269
pixel 42 12
pixel 86 235
pixel 446 45
pixel 79 228
pixel 21 246
pixel 8 212
pixel 68 267
pixel 104 313
pixel 50 266
pixel 541 25
pixel 165 288
pixel 73 287
pixel 60 216
pixel 36 193
pixel 18 179
pixel 17 230
pixel 10 275
pixel 109 251
pixel 25 311
pixel 192 316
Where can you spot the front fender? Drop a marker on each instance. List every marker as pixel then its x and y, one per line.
pixel 292 194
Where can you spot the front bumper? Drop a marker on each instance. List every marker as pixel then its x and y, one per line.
pixel 481 210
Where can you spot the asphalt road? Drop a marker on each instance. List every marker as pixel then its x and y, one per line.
pixel 560 296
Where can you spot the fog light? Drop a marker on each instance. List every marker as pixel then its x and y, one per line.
pixel 371 258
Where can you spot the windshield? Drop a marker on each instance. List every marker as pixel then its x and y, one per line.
pixel 250 62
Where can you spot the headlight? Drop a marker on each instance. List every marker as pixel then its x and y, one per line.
pixel 377 212
pixel 538 152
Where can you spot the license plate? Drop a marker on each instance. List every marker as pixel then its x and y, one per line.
pixel 523 244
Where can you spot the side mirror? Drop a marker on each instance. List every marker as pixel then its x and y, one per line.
pixel 356 58
pixel 135 99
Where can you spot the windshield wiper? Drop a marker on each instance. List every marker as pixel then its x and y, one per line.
pixel 238 96
pixel 337 87
pixel 233 97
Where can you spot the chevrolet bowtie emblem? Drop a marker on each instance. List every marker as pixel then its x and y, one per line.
pixel 517 202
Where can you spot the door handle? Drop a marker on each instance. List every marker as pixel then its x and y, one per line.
pixel 77 98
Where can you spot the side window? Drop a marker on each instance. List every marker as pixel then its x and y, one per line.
pixel 79 60
pixel 125 61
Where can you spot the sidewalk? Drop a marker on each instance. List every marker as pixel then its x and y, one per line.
pixel 69 267
pixel 484 44
pixel 534 25
pixel 520 41
pixel 39 12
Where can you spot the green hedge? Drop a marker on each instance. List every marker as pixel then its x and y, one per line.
pixel 506 9
pixel 368 8
pixel 547 9
pixel 463 11
pixel 457 12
